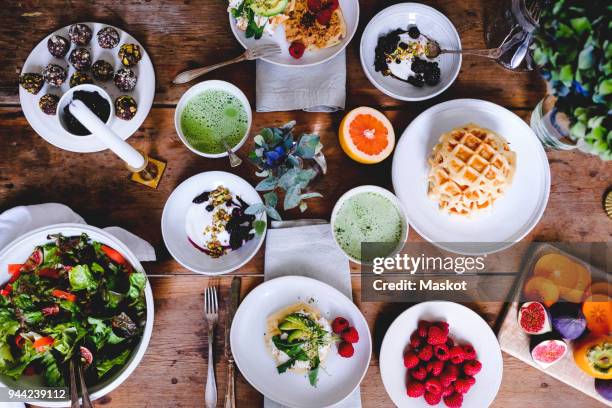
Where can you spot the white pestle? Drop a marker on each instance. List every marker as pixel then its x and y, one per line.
pixel 106 135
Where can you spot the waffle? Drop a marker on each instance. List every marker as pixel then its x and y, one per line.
pixel 471 167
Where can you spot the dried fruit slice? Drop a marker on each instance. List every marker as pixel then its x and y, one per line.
pixel 546 351
pixel 569 276
pixel 366 135
pixel 541 289
pixel 533 318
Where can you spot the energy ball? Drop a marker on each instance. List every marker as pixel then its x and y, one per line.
pixel 48 103
pixel 125 79
pixel 80 34
pixel 32 83
pixel 80 58
pixel 129 54
pixel 79 78
pixel 108 37
pixel 58 46
pixel 54 75
pixel 125 107
pixel 102 70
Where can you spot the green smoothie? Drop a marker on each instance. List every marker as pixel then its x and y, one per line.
pixel 368 217
pixel 212 116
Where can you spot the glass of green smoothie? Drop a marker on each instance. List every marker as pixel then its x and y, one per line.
pixel 369 214
pixel 212 116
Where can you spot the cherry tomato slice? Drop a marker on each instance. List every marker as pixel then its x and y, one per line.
pixel 63 295
pixel 113 254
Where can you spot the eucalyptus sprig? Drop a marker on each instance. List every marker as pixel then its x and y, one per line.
pixel 280 161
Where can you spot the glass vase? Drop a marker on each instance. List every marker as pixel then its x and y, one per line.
pixel 551 126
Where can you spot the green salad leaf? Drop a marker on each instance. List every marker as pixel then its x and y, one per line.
pixel 107 364
pixel 81 278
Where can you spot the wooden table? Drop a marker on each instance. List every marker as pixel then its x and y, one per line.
pixel 189 33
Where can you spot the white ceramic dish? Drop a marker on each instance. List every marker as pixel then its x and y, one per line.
pixel 173 223
pixel 465 327
pixel 66 99
pixel 340 377
pixel 48 127
pixel 431 23
pixel 19 250
pixel 512 216
pixel 196 90
pixel 350 9
pixel 370 189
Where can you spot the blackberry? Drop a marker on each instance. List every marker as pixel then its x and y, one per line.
pixel 413 32
pixel 433 78
pixel 418 65
pixel 210 207
pixel 416 81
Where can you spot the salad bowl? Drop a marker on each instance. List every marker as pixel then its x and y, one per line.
pixel 20 249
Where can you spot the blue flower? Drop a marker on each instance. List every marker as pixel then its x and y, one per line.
pixel 580 89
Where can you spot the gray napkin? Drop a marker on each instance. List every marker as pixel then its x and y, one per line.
pixel 320 88
pixel 289 251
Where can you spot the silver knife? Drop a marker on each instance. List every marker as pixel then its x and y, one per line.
pixel 230 394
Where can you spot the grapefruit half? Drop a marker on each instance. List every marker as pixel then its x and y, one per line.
pixel 366 135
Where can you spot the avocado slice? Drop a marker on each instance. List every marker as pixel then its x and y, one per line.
pixel 269 8
pixel 298 335
pixel 296 321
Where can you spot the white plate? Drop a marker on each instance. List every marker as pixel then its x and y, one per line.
pixel 173 223
pixel 340 376
pixel 431 23
pixel 511 217
pixel 465 327
pixel 48 127
pixel 20 249
pixel 350 9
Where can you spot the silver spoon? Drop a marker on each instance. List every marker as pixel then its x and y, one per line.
pixel 433 50
pixel 235 161
pixel 259 51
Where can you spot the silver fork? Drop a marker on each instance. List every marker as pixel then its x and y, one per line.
pixel 259 51
pixel 211 312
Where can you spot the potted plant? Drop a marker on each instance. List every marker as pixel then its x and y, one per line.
pixel 573 49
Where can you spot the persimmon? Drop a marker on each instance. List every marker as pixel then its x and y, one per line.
pixel 597 310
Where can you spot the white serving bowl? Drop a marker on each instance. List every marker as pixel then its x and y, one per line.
pixel 67 98
pixel 20 249
pixel 370 189
pixel 431 23
pixel 173 223
pixel 204 86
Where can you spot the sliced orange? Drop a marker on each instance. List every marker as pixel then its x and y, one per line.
pixel 366 135
pixel 570 277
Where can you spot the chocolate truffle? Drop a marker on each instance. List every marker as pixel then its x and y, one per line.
pixel 80 34
pixel 54 75
pixel 125 79
pixel 58 46
pixel 48 103
pixel 125 107
pixel 129 54
pixel 102 70
pixel 31 82
pixel 108 37
pixel 79 78
pixel 80 58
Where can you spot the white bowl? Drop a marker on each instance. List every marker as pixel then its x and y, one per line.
pixel 340 377
pixel 431 23
pixel 67 98
pixel 511 217
pixel 465 327
pixel 350 9
pixel 370 189
pixel 199 88
pixel 173 223
pixel 48 127
pixel 19 250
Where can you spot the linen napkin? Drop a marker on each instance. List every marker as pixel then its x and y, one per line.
pixel 19 220
pixel 289 251
pixel 319 88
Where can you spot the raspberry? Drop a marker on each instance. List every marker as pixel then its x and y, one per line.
pixel 470 353
pixel 450 342
pixel 472 368
pixel 443 326
pixel 350 335
pixel 462 385
pixel 426 353
pixel 441 352
pixel 457 355
pixel 296 49
pixel 423 326
pixel 410 360
pixel 415 340
pixel 324 16
pixel 436 335
pixel 346 349
pixel 314 5
pixel 447 390
pixel 339 325
pixel 435 367
pixel 454 400
pixel 415 389
pixel 433 399
pixel 419 373
pixel 433 385
pixel 449 375
pixel 332 5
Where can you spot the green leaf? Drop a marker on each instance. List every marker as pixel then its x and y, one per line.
pixel 311 195
pixel 66 336
pixel 267 184
pixel 292 198
pixel 254 209
pixel 8 324
pixel 307 146
pixel 564 31
pixel 33 318
pixel 605 87
pixel 259 140
pixel 566 75
pixel 105 365
pixel 272 213
pixel 271 199
pixel 138 281
pixel 303 206
pixel 578 130
pixel 260 227
pixel 586 58
pixel 95 267
pixel 580 25
pixel 53 375
pixel 6 357
pixel 81 279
